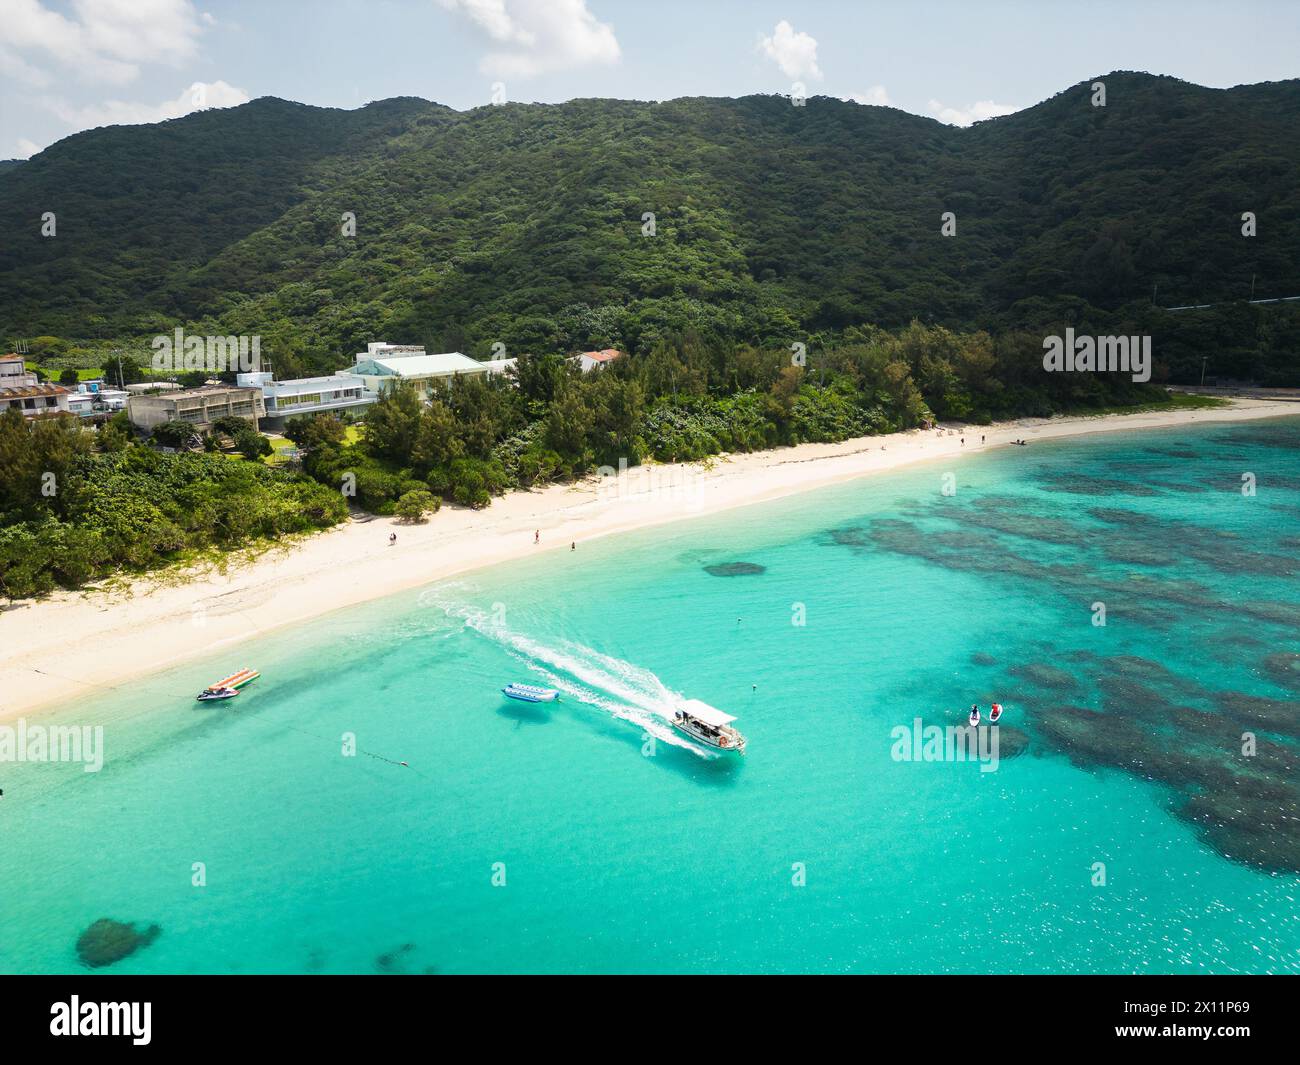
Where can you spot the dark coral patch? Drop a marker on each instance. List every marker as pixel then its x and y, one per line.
pixel 1044 676
pixel 734 569
pixel 394 961
pixel 1256 711
pixel 1284 669
pixel 1012 742
pixel 108 941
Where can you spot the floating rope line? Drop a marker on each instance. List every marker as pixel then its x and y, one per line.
pixel 172 694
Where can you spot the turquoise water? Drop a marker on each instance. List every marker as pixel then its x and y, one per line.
pixel 625 850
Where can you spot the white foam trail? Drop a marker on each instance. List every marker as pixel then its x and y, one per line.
pixel 622 689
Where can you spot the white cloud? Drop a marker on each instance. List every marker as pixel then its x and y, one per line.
pixel 16 67
pixel 99 40
pixel 795 53
pixel 976 112
pixel 26 148
pixel 538 36
pixel 197 97
pixel 873 97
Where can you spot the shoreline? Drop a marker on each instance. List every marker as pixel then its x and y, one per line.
pixel 130 632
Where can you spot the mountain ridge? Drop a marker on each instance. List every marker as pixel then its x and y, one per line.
pixel 521 223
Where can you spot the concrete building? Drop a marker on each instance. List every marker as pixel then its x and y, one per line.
pixel 144 388
pixel 111 399
pixel 308 395
pixel 94 400
pixel 34 399
pixel 381 365
pixel 14 373
pixel 198 406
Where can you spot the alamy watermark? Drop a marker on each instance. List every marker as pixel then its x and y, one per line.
pixel 1108 354
pixel 920 742
pixel 53 743
pixel 77 1018
pixel 675 483
pixel 178 353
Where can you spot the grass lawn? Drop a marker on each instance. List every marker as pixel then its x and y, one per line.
pixel 281 445
pixel 92 373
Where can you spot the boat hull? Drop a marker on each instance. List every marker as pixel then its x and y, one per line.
pixel 734 744
pixel 228 688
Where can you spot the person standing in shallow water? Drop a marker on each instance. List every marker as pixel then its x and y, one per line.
pixel 537 536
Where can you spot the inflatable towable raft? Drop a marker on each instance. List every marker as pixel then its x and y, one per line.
pixel 530 693
pixel 229 687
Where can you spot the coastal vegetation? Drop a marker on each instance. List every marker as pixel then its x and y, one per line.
pixel 684 401
pixel 78 504
pixel 774 276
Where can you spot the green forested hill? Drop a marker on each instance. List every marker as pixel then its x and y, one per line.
pixel 523 224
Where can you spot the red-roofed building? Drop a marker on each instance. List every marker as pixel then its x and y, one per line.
pixel 592 359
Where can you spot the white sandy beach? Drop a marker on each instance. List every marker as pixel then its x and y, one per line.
pixel 61 647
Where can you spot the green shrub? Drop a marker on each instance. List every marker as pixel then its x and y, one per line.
pixel 414 504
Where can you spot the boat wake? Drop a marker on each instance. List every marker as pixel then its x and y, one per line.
pixel 621 689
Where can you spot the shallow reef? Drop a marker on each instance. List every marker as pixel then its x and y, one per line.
pixel 1041 675
pixel 1228 759
pixel 1243 797
pixel 1264 435
pixel 108 941
pixel 394 961
pixel 1283 668
pixel 1084 485
pixel 1280 716
pixel 734 569
pixel 1012 742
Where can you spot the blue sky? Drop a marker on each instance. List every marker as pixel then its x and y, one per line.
pixel 68 65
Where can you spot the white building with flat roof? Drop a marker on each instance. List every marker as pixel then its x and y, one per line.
pixel 495 366
pixel 309 395
pixel 93 399
pixel 381 366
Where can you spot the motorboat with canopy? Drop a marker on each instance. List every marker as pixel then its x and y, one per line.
pixel 708 725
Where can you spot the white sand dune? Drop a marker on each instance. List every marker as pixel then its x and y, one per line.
pixel 112 636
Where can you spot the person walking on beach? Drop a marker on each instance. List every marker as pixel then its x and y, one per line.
pixel 392 539
pixel 537 536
